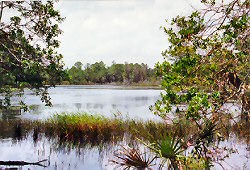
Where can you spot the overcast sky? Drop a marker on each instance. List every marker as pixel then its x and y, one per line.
pixel 117 30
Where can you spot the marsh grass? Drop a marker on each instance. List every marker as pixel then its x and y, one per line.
pixel 97 128
pixel 82 127
pixel 94 129
pixel 166 141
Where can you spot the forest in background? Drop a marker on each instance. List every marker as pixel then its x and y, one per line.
pixel 99 73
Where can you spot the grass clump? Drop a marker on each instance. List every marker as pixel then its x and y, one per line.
pixel 83 127
pixel 97 128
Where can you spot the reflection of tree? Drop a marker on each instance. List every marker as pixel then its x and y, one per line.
pixel 78 106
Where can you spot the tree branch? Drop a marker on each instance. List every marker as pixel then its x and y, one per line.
pixel 22 163
pixel 1 11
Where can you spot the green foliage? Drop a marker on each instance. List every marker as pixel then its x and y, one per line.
pixel 99 73
pixel 205 67
pixel 76 74
pixel 169 148
pixel 115 73
pixel 207 63
pixel 77 119
pixel 28 45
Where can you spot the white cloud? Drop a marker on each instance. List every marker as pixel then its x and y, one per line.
pixel 117 30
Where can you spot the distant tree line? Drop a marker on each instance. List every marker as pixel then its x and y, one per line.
pixel 99 73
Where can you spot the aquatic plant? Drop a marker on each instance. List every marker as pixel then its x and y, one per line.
pixel 82 127
pixel 169 149
pixel 191 145
pixel 127 157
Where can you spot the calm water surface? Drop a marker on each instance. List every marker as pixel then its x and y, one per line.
pixel 105 100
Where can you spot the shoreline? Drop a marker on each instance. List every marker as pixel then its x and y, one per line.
pixel 114 86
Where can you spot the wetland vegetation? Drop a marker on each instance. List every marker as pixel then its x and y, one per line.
pixel 202 110
pixel 135 143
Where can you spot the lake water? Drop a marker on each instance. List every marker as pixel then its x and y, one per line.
pixel 59 157
pixel 105 100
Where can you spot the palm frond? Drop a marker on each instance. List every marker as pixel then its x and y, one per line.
pixel 128 157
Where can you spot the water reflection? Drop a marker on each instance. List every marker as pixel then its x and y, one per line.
pixel 58 156
pixel 26 141
pixel 104 100
pixel 78 106
pixel 19 145
pixel 23 142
